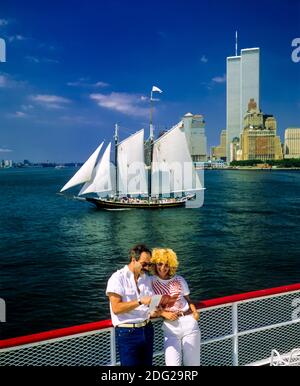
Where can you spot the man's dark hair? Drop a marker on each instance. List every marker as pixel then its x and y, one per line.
pixel 137 250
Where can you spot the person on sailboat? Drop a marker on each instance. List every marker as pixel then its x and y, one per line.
pixel 129 291
pixel 180 326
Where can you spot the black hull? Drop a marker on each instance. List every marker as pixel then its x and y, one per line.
pixel 104 204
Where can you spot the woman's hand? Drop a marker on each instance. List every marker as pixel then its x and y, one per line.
pixel 196 315
pixel 169 315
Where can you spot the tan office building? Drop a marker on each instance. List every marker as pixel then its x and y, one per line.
pixel 259 140
pixel 292 143
pixel 219 152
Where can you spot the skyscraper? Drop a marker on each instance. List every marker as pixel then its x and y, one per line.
pixel 194 127
pixel 243 84
pixel 292 142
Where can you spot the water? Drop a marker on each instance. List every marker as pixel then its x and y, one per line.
pixel 56 254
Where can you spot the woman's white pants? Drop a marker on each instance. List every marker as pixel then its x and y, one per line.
pixel 182 341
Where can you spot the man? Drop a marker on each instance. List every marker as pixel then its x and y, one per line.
pixel 129 291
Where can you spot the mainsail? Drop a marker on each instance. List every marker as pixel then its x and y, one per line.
pixel 172 166
pixel 101 178
pixel 131 165
pixel 85 173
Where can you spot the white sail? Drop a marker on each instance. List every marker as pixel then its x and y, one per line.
pixel 101 181
pixel 172 167
pixel 131 165
pixel 84 174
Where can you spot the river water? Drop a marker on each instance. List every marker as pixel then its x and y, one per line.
pixel 56 254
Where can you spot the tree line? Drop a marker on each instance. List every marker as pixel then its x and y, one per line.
pixel 285 163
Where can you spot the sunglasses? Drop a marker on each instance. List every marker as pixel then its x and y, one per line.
pixel 145 264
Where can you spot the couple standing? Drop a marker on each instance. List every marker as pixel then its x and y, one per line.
pixel 130 291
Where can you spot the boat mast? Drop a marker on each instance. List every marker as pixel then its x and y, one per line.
pixel 151 117
pixel 151 138
pixel 116 138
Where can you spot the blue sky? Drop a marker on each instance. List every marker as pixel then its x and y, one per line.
pixel 76 68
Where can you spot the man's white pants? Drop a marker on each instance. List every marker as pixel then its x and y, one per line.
pixel 182 341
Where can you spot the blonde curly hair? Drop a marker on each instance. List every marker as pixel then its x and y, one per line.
pixel 166 256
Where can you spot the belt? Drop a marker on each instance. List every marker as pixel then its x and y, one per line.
pixel 134 325
pixel 184 313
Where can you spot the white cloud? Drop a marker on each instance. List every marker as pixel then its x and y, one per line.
pixel 203 59
pixel 50 101
pixel 3 150
pixel 7 81
pixel 80 120
pixel 101 84
pixel 219 79
pixel 3 81
pixel 14 38
pixel 17 114
pixel 84 82
pixel 27 107
pixel 78 82
pixel 20 114
pixel 23 112
pixel 128 104
pixel 47 60
pixel 3 22
pixel 34 59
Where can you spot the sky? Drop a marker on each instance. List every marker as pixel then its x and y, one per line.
pixel 73 69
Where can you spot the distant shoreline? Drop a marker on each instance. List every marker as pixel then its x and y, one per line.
pixel 253 169
pixel 246 168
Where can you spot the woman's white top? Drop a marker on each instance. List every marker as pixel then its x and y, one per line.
pixel 174 286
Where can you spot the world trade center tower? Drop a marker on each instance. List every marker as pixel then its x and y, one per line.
pixel 243 84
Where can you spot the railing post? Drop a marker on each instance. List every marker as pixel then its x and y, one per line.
pixel 235 353
pixel 113 354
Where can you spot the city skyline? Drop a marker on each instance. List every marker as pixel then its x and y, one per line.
pixel 71 74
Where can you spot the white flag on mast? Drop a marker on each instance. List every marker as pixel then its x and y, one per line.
pixel 154 88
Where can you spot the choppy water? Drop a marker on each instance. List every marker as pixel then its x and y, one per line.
pixel 56 254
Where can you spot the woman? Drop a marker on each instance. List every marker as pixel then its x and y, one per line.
pixel 181 330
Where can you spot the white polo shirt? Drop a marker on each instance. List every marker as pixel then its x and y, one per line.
pixel 122 283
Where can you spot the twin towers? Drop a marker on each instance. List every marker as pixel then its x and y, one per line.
pixel 243 84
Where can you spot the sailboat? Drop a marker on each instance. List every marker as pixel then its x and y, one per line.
pixel 151 174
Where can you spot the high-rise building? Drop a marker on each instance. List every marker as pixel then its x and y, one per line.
pixel 259 140
pixel 219 152
pixel 292 142
pixel 243 83
pixel 235 150
pixel 194 127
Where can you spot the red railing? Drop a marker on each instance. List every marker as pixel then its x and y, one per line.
pixel 248 295
pixel 63 332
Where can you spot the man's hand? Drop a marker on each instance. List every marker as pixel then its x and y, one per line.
pixel 146 300
pixel 119 307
